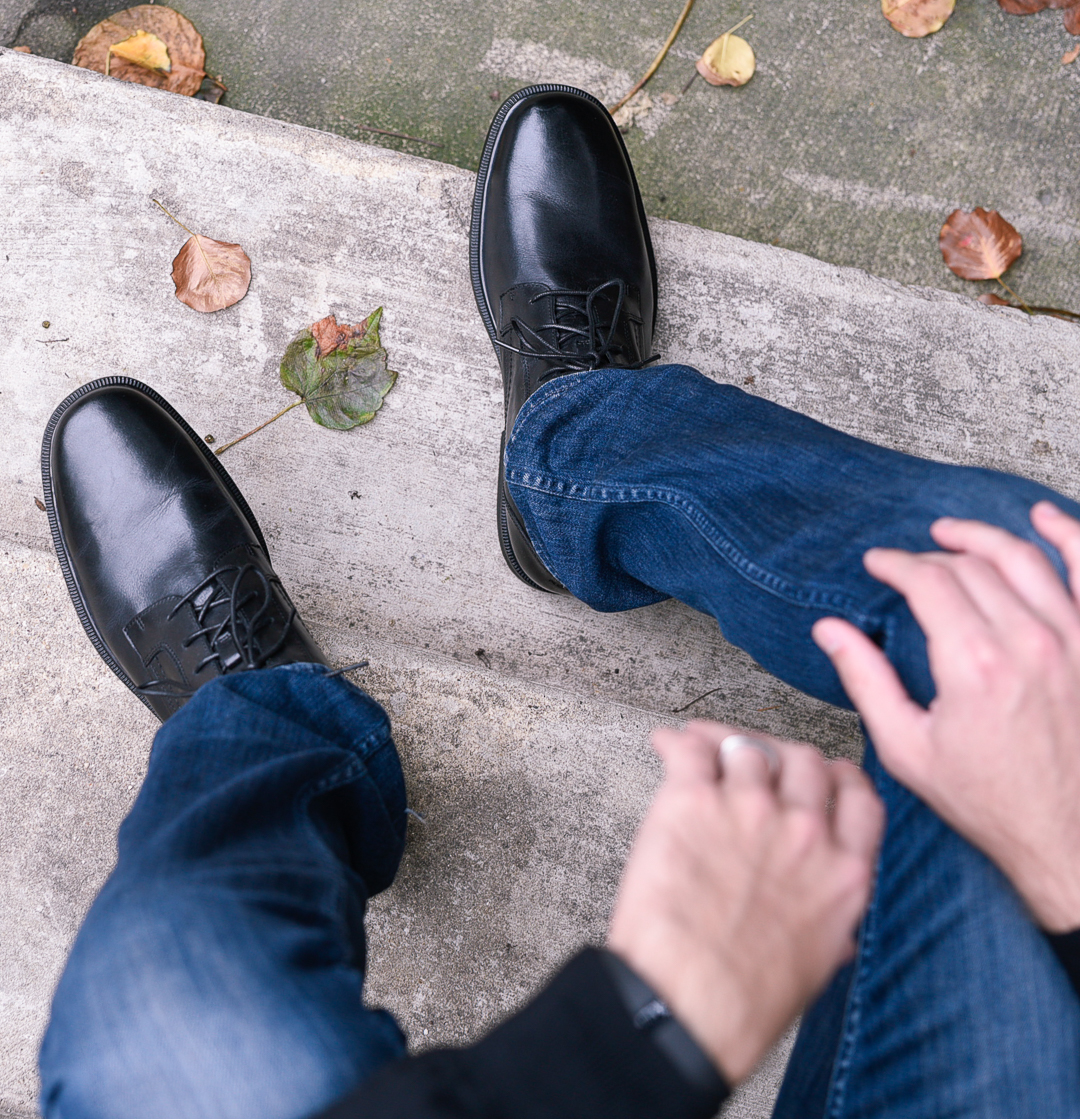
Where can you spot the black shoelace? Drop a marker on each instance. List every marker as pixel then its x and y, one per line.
pixel 248 615
pixel 576 348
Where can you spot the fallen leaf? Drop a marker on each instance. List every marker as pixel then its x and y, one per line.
pixel 916 18
pixel 640 105
pixel 993 300
pixel 211 89
pixel 728 60
pixel 343 386
pixel 187 59
pixel 980 245
pixel 1070 56
pixel 24 50
pixel 210 275
pixel 145 50
pixel 1071 8
pixel 40 504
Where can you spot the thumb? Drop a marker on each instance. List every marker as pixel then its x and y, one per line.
pixel 895 722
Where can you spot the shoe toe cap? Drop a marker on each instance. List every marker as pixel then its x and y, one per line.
pixel 138 511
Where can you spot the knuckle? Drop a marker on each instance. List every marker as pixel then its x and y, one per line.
pixel 806 828
pixel 1044 646
pixel 985 655
pixel 936 575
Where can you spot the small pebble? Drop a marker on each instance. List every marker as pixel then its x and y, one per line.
pixel 46 324
pixel 209 438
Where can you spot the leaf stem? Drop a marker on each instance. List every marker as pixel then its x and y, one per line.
pixel 195 237
pixel 658 59
pixel 267 423
pixel 399 135
pixel 294 404
pixel 1014 295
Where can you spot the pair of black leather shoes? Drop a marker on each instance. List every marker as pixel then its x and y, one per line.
pixel 163 558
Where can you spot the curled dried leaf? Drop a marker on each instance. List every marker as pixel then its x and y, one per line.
pixel 1023 7
pixel 183 44
pixel 993 300
pixel 330 335
pixel 1072 20
pixel 24 50
pixel 210 275
pixel 1070 56
pixel 728 60
pixel 916 18
pixel 979 245
pixel 145 50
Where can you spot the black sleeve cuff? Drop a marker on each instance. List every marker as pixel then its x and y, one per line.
pixel 649 1013
pixel 1066 947
pixel 574 1052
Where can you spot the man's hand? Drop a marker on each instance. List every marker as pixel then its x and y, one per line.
pixel 741 896
pixel 997 755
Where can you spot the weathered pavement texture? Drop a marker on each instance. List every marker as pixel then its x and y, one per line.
pixel 523 719
pixel 851 143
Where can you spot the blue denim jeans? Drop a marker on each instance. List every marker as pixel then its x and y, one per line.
pixel 219 973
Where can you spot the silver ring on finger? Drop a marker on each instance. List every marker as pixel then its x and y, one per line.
pixel 735 742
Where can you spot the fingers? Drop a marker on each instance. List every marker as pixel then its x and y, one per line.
pixel 687 757
pixel 1063 532
pixel 941 606
pixel 859 815
pixel 1013 618
pixel 1022 565
pixel 741 768
pixel 805 779
pixel 871 682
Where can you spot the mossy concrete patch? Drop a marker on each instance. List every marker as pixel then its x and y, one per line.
pixel 851 143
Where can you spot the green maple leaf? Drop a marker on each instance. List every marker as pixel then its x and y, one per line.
pixel 339 371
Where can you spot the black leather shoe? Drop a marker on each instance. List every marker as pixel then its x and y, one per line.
pixel 163 558
pixel 562 265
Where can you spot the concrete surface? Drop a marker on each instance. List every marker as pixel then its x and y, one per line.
pixel 851 143
pixel 528 759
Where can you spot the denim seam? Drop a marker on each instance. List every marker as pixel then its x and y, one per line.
pixel 845 1055
pixel 623 494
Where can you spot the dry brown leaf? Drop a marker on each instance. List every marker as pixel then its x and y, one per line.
pixel 210 275
pixel 1070 56
pixel 916 18
pixel 330 335
pixel 993 300
pixel 1029 7
pixel 980 245
pixel 24 50
pixel 728 60
pixel 184 44
pixel 143 49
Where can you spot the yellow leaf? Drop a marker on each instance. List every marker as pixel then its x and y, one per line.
pixel 728 60
pixel 144 50
pixel 916 18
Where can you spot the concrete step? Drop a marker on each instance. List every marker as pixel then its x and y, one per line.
pixel 530 761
